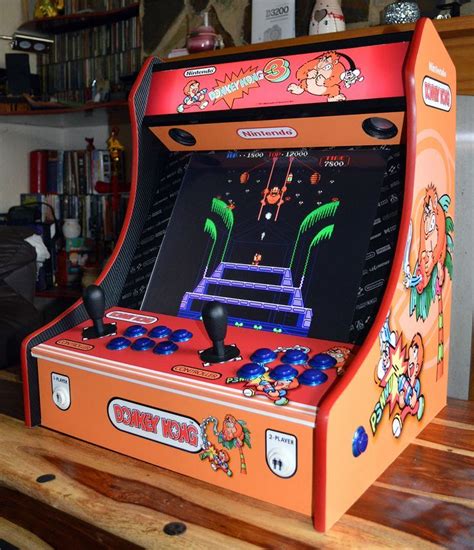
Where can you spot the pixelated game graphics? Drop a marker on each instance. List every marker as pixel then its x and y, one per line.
pixel 271 235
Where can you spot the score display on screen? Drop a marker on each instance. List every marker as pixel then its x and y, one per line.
pixel 280 237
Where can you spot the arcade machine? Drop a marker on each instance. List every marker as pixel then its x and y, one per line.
pixel 275 317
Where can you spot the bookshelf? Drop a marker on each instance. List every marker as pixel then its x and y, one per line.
pixel 91 54
pixel 101 45
pixel 78 21
pixel 74 190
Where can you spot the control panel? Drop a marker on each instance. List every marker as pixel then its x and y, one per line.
pixel 277 368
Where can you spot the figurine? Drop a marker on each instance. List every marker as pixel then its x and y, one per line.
pixel 90 144
pixel 48 8
pixel 115 149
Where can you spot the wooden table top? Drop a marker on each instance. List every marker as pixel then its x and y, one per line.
pixel 99 498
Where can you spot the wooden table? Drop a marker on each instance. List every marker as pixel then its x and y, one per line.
pixel 100 498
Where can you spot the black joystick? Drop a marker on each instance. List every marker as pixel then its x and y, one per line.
pixel 214 316
pixel 94 302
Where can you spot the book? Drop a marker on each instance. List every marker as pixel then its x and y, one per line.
pixel 101 170
pixel 39 171
pixel 81 172
pixel 52 172
pixel 60 173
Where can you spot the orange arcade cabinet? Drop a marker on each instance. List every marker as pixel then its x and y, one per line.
pixel 275 317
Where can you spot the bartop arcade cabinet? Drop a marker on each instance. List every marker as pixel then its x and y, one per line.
pixel 275 317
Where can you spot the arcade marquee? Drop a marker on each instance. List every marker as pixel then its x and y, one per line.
pixel 275 318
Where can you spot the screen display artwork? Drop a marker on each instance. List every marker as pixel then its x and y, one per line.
pixel 280 237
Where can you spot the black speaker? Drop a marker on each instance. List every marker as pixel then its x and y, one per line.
pixel 18 73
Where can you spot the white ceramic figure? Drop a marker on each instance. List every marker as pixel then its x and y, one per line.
pixel 327 17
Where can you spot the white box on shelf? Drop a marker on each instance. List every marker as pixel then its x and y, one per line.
pixel 272 20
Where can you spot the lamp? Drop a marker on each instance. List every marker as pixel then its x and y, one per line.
pixel 25 42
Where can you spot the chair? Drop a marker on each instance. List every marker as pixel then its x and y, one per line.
pixel 18 315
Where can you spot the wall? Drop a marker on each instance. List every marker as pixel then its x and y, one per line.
pixel 463 277
pixel 15 143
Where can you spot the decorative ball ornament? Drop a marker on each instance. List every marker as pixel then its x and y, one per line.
pixel 401 11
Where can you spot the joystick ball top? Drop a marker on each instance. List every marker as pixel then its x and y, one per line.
pixel 214 317
pixel 94 301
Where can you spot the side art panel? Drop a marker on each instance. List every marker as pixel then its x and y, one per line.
pixel 398 382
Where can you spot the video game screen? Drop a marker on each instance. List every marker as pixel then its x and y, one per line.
pixel 280 237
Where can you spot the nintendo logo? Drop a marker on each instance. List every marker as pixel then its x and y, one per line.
pixel 199 72
pixel 436 94
pixel 158 425
pixel 267 133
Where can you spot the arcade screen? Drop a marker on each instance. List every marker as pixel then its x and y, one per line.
pixel 279 236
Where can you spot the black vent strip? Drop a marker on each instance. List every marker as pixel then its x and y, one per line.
pixel 381 249
pixel 115 278
pixel 154 230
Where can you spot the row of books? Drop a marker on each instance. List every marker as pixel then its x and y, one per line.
pixel 97 41
pixel 76 6
pixel 73 80
pixel 99 218
pixel 77 172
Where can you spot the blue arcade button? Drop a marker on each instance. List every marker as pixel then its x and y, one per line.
pixel 134 331
pixel 322 361
pixel 294 357
pixel 181 335
pixel 142 344
pixel 360 441
pixel 312 377
pixel 263 355
pixel 116 344
pixel 159 332
pixel 165 348
pixel 250 371
pixel 283 372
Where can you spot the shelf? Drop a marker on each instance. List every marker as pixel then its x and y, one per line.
pixel 89 114
pixel 78 21
pixel 457 34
